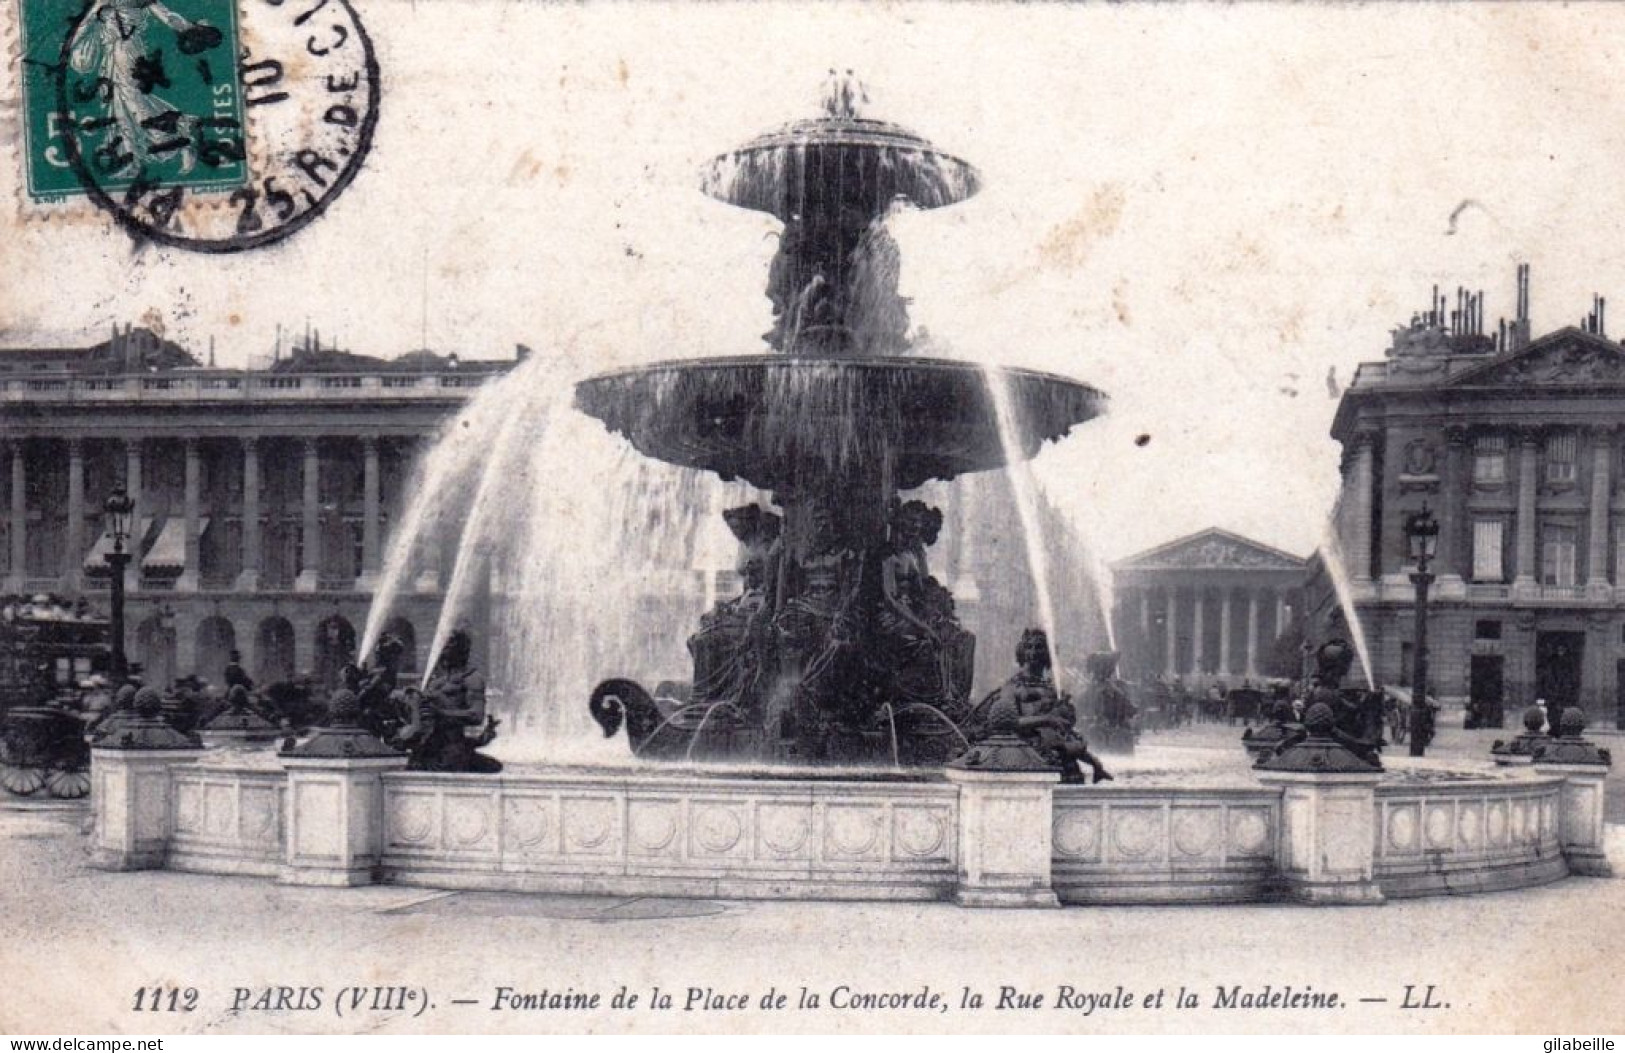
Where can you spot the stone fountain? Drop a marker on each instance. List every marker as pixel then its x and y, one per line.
pixel 842 646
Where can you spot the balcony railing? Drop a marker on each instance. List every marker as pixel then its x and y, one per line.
pixel 216 385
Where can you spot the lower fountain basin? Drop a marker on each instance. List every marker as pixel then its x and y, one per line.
pixel 1179 829
pixel 769 419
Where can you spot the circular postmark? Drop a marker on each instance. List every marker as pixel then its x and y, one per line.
pixel 216 125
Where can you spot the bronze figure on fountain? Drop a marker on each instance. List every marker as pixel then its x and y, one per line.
pixel 1111 711
pixel 1028 707
pixel 448 719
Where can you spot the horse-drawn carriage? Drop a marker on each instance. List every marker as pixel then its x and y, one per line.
pixel 53 659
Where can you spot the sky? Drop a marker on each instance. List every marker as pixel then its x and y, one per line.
pixel 1211 213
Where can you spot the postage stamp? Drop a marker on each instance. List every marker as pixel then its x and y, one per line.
pixel 200 124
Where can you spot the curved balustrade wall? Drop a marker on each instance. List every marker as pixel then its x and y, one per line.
pixel 730 835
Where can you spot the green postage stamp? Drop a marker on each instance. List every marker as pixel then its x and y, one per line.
pixel 136 90
pixel 207 125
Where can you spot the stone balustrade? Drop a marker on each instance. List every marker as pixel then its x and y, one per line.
pixel 806 836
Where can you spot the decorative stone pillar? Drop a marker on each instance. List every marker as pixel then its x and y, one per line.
pixel 1170 643
pixel 1006 824
pixel 1198 629
pixel 17 580
pixel 1326 851
pixel 369 512
pixel 132 790
pixel 1452 557
pixel 248 578
pixel 1224 632
pixel 1602 460
pixel 1252 632
pixel 74 540
pixel 310 561
pixel 1527 572
pixel 335 801
pixel 1280 615
pixel 1144 661
pixel 192 573
pixel 1362 481
pixel 1583 766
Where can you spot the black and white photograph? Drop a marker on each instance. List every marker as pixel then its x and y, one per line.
pixel 525 518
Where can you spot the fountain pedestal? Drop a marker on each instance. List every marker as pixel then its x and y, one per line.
pixel 1005 836
pixel 1583 766
pixel 1325 852
pixel 130 769
pixel 335 801
pixel 133 797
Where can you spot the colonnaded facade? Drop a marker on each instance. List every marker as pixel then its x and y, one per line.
pixel 1210 605
pixel 1515 444
pixel 264 498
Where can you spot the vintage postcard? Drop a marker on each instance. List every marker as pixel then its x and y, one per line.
pixel 522 518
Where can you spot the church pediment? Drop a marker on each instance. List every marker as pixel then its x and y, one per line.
pixel 1568 356
pixel 1213 550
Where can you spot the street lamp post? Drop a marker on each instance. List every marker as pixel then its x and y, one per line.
pixel 119 507
pixel 1422 534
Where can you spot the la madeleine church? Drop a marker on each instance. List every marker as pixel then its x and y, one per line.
pixel 1517 445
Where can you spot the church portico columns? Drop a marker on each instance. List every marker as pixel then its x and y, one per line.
pixel 1170 637
pixel 1224 631
pixel 1198 628
pixel 1252 632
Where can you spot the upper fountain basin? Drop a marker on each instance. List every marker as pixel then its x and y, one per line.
pixel 811 166
pixel 777 421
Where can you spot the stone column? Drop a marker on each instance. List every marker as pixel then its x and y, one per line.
pixel 248 578
pixel 1453 565
pixel 1362 480
pixel 74 538
pixel 369 512
pixel 1280 615
pixel 18 577
pixel 1602 459
pixel 192 574
pixel 1144 661
pixel 1252 632
pixel 1005 837
pixel 1170 644
pixel 1198 629
pixel 1527 572
pixel 133 486
pixel 1224 632
pixel 311 534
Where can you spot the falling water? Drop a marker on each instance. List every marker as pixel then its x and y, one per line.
pixel 440 486
pixel 1021 479
pixel 1338 571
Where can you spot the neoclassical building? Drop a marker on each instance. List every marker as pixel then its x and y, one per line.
pixel 1515 444
pixel 1208 605
pixel 264 498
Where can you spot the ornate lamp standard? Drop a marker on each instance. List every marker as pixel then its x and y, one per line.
pixel 119 508
pixel 1422 534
